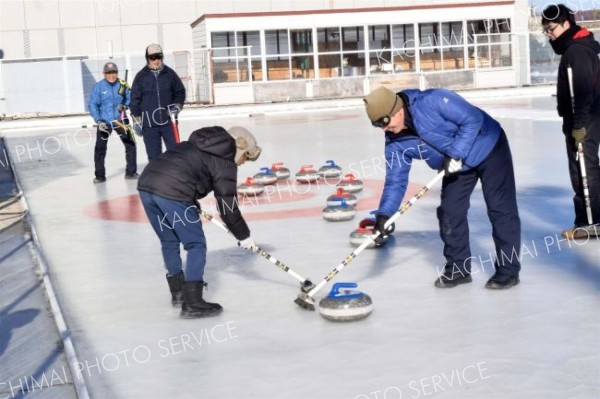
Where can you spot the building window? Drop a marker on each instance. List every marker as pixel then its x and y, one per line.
pixel 361 50
pixel 380 49
pixel 233 53
pixel 353 51
pixel 452 45
pixel 329 46
pixel 277 50
pixel 403 48
pixel 489 43
pixel 302 54
pixel 430 50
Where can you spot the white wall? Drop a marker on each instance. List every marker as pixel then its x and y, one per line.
pixel 130 25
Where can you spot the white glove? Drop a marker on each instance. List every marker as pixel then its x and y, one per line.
pixel 452 165
pixel 137 125
pixel 103 126
pixel 248 244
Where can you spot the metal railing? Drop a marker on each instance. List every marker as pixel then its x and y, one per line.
pixel 543 61
pixel 62 85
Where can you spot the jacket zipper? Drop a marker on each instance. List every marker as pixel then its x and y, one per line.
pixel 158 92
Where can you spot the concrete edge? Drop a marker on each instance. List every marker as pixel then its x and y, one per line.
pixel 37 254
pixel 194 112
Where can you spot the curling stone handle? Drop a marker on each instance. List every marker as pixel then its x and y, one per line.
pixel 335 294
pixel 266 170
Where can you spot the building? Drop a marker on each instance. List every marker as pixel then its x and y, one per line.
pixel 254 51
pixel 274 56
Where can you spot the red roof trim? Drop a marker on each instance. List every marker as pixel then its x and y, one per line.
pixel 347 10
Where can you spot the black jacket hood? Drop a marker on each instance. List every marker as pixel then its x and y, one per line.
pixel 214 140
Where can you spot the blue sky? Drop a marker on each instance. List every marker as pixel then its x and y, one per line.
pixel 575 5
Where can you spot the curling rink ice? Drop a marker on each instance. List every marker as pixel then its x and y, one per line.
pixel 537 340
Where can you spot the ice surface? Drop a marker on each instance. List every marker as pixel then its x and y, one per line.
pixel 537 340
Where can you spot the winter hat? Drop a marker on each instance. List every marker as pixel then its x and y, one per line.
pixel 153 49
pixel 110 67
pixel 382 102
pixel 245 143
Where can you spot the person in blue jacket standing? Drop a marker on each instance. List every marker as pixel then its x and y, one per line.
pixel 156 94
pixel 109 98
pixel 449 133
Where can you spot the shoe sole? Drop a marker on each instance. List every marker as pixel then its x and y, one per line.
pixel 582 233
pixel 439 284
pixel 193 315
pixel 571 236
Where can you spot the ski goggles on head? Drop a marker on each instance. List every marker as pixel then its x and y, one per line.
pixel 386 119
pixel 252 155
pixel 382 122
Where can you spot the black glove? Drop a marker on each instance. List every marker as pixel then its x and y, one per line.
pixel 379 227
pixel 122 107
pixel 452 165
pixel 175 109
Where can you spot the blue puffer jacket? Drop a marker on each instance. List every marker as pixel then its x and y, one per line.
pixel 400 152
pixel 453 126
pixel 104 100
pixel 448 126
pixel 152 92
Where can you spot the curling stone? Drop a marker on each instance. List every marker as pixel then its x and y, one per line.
pixel 280 170
pixel 340 194
pixel 338 213
pixel 265 177
pixel 362 234
pixel 347 305
pixel 350 184
pixel 307 174
pixel 250 187
pixel 330 169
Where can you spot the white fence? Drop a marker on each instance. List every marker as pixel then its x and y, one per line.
pixel 62 85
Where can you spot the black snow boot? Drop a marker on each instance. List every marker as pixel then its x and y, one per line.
pixel 193 304
pixel 176 288
pixel 502 281
pixel 452 280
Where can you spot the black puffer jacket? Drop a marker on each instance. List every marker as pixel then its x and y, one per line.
pixel 152 92
pixel 580 51
pixel 196 167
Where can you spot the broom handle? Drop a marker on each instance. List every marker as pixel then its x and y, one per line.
pixel 372 238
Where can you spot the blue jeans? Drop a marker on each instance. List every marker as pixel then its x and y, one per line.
pixel 152 139
pixel 175 223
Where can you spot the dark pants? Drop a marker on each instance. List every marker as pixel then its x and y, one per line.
pixel 176 223
pixel 100 152
pixel 591 146
pixel 152 139
pixel 498 186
